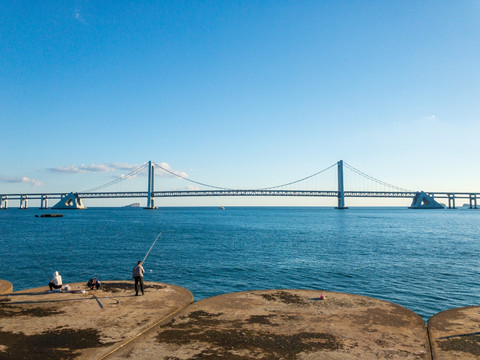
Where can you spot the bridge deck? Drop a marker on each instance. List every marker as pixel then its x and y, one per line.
pixel 245 192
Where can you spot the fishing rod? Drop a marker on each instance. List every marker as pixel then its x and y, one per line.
pixel 143 261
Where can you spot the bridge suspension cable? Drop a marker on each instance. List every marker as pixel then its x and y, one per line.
pixel 120 179
pixel 300 180
pixel 192 181
pixel 371 178
pixel 225 188
pixel 175 174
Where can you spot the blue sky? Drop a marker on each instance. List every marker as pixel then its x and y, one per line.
pixel 243 94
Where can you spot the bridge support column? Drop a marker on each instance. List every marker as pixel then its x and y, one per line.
pixel 70 201
pixel 151 186
pixel 473 200
pixel 24 202
pixel 422 200
pixel 44 202
pixel 5 202
pixel 451 201
pixel 341 194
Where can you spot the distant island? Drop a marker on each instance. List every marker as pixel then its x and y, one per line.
pixel 133 205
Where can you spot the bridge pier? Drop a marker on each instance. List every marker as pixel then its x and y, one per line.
pixel 70 201
pixel 24 202
pixel 341 193
pixel 473 199
pixel 451 201
pixel 422 200
pixel 2 201
pixel 44 202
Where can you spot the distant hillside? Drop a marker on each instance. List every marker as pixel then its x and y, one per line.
pixel 133 205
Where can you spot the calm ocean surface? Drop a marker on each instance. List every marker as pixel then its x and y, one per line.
pixel 425 260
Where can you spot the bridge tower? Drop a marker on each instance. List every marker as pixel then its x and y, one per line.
pixel 151 186
pixel 341 193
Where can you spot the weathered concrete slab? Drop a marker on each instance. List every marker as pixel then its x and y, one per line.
pixel 285 324
pixel 455 334
pixel 5 287
pixel 36 324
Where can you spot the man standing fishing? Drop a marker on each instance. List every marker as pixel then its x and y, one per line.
pixel 137 274
pixel 138 270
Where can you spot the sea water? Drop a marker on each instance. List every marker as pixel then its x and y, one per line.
pixel 425 260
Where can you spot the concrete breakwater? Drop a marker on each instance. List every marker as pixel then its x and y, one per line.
pixel 111 323
pixel 5 287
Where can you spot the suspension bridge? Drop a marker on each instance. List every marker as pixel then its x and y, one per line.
pixel 319 184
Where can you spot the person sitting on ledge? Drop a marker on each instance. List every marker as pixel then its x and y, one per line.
pixel 56 282
pixel 94 283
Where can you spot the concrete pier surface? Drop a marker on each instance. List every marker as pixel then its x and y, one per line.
pixel 455 334
pixel 37 324
pixel 5 287
pixel 285 324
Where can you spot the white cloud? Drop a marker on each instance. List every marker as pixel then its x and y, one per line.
pixel 34 182
pixel 430 119
pixel 78 16
pixel 127 170
pixel 93 168
pixel 124 166
pixel 169 171
pixel 165 165
pixel 188 188
pixel 127 176
pixel 19 180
